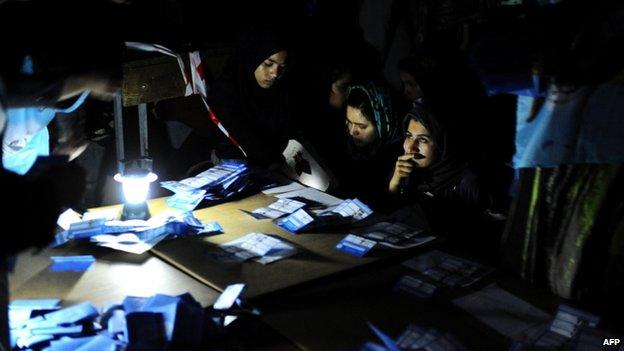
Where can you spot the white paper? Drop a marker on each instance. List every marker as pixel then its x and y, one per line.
pixel 283 189
pixel 312 194
pixel 67 218
pixel 228 297
pixel 126 242
pixel 303 167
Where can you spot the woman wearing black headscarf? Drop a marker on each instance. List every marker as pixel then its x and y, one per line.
pixel 250 99
pixel 432 175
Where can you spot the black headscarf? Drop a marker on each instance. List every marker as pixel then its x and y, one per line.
pixel 447 169
pixel 257 118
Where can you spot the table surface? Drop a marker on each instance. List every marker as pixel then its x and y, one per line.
pixel 334 315
pixel 317 256
pixel 320 298
pixel 113 276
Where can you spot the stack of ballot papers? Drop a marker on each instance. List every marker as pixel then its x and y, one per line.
pixel 415 338
pixel 342 213
pixel 158 322
pixel 573 328
pixel 258 247
pixel 394 235
pixel 225 181
pixel 447 270
pixel 137 236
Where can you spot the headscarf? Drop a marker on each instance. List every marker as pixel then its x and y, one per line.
pixel 257 118
pixel 447 168
pixel 383 117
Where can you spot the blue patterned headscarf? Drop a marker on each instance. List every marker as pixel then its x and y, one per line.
pixel 384 118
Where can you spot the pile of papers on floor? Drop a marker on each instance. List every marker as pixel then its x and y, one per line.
pixel 158 322
pixel 136 236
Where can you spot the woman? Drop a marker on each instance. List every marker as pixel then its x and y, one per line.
pixel 430 174
pixel 250 99
pixel 371 142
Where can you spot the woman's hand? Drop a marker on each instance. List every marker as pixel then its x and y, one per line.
pixel 403 168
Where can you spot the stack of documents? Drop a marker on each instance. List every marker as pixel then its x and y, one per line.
pixel 394 235
pixel 227 180
pixel 158 322
pixel 137 236
pixel 447 270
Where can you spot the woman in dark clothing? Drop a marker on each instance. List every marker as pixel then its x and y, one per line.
pixel 371 143
pixel 251 100
pixel 431 174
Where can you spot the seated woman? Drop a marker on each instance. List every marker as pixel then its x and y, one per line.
pixel 371 142
pixel 430 174
pixel 250 99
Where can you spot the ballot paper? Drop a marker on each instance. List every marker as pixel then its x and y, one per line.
pixel 447 270
pixel 260 247
pixel 211 227
pixel 177 187
pixel 295 221
pixel 355 245
pixel 350 208
pixel 277 209
pixel 394 235
pixel 186 201
pixel 302 165
pixel 505 313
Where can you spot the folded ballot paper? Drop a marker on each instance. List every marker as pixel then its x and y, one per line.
pixel 259 247
pixel 343 213
pixel 157 322
pixel 137 236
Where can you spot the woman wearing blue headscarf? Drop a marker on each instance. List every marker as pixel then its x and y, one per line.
pixel 371 143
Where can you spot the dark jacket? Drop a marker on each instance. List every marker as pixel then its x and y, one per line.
pixel 258 119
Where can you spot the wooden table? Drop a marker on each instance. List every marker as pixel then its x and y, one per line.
pixel 113 276
pixel 317 257
pixel 334 315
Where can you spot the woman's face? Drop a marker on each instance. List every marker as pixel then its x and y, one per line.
pixel 419 143
pixel 362 131
pixel 411 89
pixel 271 69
